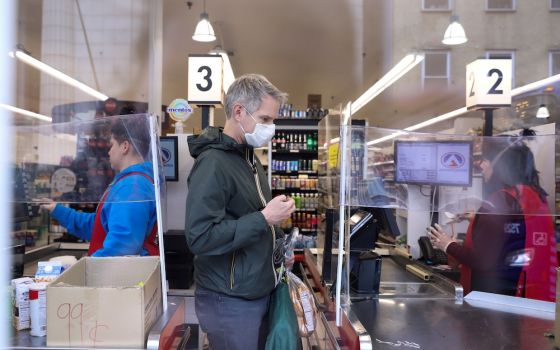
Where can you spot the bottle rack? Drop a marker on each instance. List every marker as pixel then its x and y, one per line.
pixel 293 169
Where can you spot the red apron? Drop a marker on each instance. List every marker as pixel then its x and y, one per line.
pixel 98 235
pixel 538 277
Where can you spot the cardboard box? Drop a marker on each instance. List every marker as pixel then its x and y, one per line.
pixel 104 302
pixel 20 303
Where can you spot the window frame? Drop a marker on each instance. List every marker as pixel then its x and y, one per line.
pixel 448 9
pixel 424 78
pixel 551 53
pixel 487 54
pixel 512 9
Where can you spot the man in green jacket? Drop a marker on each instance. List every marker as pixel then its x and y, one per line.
pixel 231 218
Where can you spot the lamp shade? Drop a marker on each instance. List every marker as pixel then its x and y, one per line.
pixel 455 33
pixel 542 112
pixel 204 31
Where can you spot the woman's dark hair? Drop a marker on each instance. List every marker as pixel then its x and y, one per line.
pixel 134 130
pixel 513 162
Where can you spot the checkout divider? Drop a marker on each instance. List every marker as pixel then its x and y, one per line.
pixel 423 179
pixel 69 163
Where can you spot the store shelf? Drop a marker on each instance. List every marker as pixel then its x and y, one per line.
pixel 308 172
pixel 295 151
pixel 288 189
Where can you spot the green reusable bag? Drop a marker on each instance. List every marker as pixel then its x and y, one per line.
pixel 283 326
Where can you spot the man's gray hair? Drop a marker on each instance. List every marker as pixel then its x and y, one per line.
pixel 249 90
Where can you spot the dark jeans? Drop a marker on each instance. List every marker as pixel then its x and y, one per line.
pixel 232 323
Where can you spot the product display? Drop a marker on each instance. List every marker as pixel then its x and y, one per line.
pixel 294 168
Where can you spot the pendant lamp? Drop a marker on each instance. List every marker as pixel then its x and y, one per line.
pixel 204 31
pixel 542 112
pixel 455 33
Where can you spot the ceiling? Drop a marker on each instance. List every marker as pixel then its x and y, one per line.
pixel 328 47
pixel 335 48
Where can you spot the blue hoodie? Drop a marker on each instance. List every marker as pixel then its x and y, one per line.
pixel 128 215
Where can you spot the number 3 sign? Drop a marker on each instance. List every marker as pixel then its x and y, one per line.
pixel 205 79
pixel 489 83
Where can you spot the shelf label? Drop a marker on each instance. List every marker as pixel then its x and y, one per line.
pixel 488 83
pixel 333 155
pixel 205 79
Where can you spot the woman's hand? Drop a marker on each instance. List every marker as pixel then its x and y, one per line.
pixel 46 204
pixel 439 238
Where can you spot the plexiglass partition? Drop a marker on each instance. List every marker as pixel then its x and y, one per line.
pixel 494 199
pixel 76 164
pixel 71 162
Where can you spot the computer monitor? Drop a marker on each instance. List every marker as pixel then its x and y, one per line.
pixel 20 206
pixel 170 157
pixel 446 163
pixel 363 231
pixel 388 228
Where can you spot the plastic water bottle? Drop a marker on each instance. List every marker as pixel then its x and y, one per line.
pixel 289 245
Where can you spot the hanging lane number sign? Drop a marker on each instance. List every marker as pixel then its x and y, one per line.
pixel 488 83
pixel 205 80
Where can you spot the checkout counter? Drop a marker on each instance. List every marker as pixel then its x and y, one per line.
pixel 425 310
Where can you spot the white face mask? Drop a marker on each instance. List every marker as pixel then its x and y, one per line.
pixel 262 134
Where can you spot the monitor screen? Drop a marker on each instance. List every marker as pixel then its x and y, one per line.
pixel 446 163
pixel 357 220
pixel 388 228
pixel 363 231
pixel 20 207
pixel 169 146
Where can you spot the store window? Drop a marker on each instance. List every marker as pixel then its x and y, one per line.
pixel 554 63
pixel 435 70
pixel 100 43
pixel 555 5
pixel 500 5
pixel 504 55
pixel 436 5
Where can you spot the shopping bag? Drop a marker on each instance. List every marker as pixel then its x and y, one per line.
pixel 304 305
pixel 282 320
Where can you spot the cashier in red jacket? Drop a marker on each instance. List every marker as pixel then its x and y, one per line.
pixel 510 246
pixel 125 220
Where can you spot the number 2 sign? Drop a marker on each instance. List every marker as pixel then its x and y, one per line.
pixel 488 83
pixel 205 79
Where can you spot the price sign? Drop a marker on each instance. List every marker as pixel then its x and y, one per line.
pixel 205 79
pixel 488 83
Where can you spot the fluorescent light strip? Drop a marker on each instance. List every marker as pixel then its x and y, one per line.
pixel 517 91
pixel 386 138
pixel 537 84
pixel 400 69
pixel 229 77
pixel 26 113
pixel 437 119
pixel 22 56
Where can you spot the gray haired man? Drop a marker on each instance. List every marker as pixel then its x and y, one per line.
pixel 231 218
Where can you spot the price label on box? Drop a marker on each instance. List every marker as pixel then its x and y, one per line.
pixel 488 83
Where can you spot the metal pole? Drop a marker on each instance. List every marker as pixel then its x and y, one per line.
pixel 488 122
pixel 207 116
pixel 341 216
pixel 152 119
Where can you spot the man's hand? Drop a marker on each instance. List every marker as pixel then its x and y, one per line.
pixel 278 209
pixel 46 204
